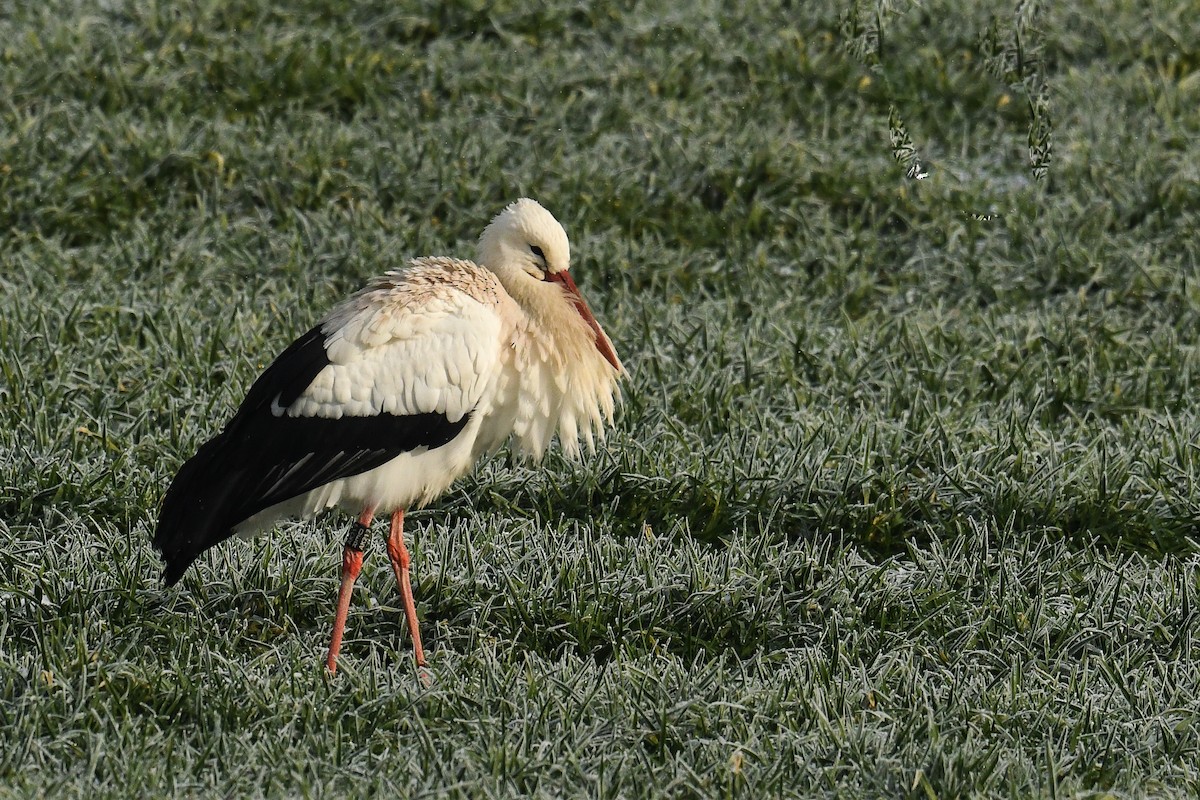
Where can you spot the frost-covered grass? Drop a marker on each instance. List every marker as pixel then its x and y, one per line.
pixel 903 499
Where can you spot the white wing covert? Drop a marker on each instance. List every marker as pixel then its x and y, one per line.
pixel 405 355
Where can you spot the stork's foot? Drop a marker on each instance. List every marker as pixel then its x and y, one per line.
pixel 352 561
pixel 398 555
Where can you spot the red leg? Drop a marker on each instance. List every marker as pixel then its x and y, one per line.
pixel 398 554
pixel 352 560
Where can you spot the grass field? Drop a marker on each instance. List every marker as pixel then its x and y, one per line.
pixel 903 499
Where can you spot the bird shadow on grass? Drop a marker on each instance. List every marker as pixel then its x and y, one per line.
pixel 676 621
pixel 613 563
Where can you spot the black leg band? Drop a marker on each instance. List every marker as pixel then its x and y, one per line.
pixel 357 536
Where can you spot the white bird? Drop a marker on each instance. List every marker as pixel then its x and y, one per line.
pixel 397 392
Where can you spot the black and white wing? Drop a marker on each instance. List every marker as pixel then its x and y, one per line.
pixel 386 373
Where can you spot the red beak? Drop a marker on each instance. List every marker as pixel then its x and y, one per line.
pixel 605 347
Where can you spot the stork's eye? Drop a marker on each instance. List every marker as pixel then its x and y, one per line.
pixel 539 268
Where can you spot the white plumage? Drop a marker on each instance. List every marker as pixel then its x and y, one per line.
pixel 399 390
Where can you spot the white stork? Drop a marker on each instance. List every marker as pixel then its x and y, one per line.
pixel 396 393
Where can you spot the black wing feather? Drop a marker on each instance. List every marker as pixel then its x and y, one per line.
pixel 260 459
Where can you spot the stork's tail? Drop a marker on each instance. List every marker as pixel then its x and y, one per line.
pixel 196 509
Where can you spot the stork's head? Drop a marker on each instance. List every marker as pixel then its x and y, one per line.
pixel 528 250
pixel 527 236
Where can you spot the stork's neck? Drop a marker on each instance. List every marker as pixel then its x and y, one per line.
pixel 561 382
pixel 551 327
